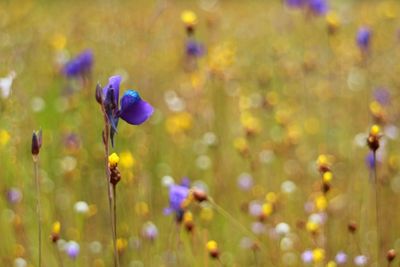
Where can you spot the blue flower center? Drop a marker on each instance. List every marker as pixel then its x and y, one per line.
pixel 132 95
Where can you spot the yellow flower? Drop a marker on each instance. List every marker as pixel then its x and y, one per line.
pixel 4 138
pixel 333 20
pixel 375 129
pixel 187 217
pixel 189 18
pixel 122 243
pixel 179 123
pixel 312 227
pixel 56 228
pixel 241 144
pixel 318 255
pixel 211 246
pixel 321 203
pixel 58 41
pixel 113 159
pixel 267 209
pixel 127 161
pixel 327 177
pixel 331 264
pixel 250 123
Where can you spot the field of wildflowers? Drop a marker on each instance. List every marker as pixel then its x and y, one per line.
pixel 199 133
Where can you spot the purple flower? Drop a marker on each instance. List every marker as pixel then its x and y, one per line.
pixel 80 65
pixel 363 38
pixel 360 260
pixel 177 194
pixel 150 231
pixel 295 3
pixel 307 256
pixel 194 48
pixel 185 182
pixel 318 7
pixel 14 195
pixel 341 258
pixel 72 249
pixel 382 96
pixel 133 109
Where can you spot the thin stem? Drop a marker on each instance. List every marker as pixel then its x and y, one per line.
pixel 376 188
pixel 59 259
pixel 237 223
pixel 38 206
pixel 106 137
pixel 115 223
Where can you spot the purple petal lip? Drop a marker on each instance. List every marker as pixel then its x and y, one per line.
pixel 134 110
pixel 113 83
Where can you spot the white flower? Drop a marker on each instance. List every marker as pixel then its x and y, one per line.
pixel 6 83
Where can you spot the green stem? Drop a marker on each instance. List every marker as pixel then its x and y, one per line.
pixel 376 188
pixel 106 137
pixel 115 223
pixel 38 206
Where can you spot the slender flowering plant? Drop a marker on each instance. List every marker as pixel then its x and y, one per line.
pixel 131 109
pixel 35 149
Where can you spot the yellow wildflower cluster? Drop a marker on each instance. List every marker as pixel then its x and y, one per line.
pixel 222 57
pixel 179 123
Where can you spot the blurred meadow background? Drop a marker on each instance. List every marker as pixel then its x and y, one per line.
pixel 263 106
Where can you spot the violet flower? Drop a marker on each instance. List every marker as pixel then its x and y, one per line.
pixel 295 3
pixel 133 109
pixel 382 96
pixel 363 38
pixel 194 48
pixel 177 194
pixel 81 65
pixel 318 7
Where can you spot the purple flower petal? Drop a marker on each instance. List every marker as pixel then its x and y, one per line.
pixel 134 110
pixel 113 83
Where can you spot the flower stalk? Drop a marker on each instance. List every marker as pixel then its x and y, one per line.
pixel 36 145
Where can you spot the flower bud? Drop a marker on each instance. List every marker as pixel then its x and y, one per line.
pixel 36 142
